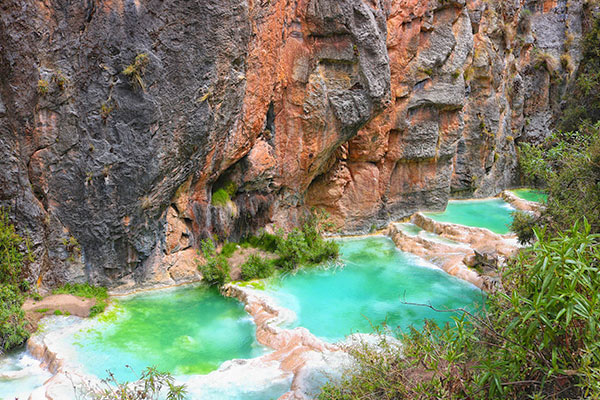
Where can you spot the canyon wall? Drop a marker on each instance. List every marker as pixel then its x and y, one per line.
pixel 368 109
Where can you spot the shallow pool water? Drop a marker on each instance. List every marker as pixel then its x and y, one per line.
pixel 20 374
pixel 369 289
pixel 531 195
pixel 184 331
pixel 493 214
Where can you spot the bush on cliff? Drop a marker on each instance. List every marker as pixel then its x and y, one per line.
pixel 12 318
pixel 539 337
pixel 215 271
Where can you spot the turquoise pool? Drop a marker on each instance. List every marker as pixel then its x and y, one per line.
pixel 493 214
pixel 369 290
pixel 185 331
pixel 531 195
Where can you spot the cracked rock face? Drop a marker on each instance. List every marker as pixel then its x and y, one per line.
pixel 370 110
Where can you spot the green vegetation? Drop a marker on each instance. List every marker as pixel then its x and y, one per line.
pixel 228 249
pixel 216 269
pixel 539 337
pixel 136 71
pixel 12 318
pixel 523 224
pixel 42 87
pixel 304 246
pixel 257 267
pixel 152 385
pixel 220 198
pixel 583 102
pixel 58 312
pixel 223 195
pixel 12 285
pixel 86 290
pixel 568 164
pixel 61 80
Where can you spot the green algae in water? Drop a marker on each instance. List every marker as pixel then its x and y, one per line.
pixel 184 331
pixel 369 290
pixel 531 195
pixel 493 214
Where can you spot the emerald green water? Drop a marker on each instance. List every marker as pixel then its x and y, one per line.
pixel 493 214
pixel 531 195
pixel 184 331
pixel 369 290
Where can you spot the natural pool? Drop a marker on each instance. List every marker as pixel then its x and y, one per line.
pixel 370 289
pixel 184 331
pixel 531 195
pixel 192 331
pixel 493 214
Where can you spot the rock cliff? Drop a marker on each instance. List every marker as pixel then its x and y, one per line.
pixel 120 119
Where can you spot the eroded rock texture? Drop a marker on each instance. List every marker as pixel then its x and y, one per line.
pixel 370 109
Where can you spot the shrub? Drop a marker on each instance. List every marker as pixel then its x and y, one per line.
pixel 220 198
pixel 216 269
pixel 292 250
pixel 300 246
pixel 152 385
pixel 228 249
pixel 97 308
pixel 256 267
pixel 265 241
pixel 12 322
pixel 12 318
pixel 539 337
pixel 523 224
pixel 11 257
pixel 567 163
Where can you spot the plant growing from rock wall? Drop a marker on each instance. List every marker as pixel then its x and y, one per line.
pixel 136 70
pixel 583 102
pixel 61 80
pixel 42 87
pixel 222 196
pixel 216 269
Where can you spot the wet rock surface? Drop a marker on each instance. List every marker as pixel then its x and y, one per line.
pixel 370 110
